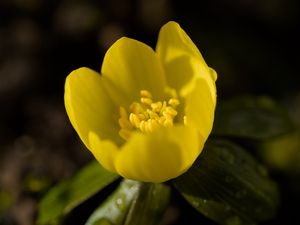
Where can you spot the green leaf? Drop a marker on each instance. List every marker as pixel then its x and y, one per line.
pixel 148 207
pixel 132 203
pixel 228 186
pixel 61 199
pixel 116 207
pixel 251 117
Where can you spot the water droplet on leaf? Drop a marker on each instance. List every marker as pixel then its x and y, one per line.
pixel 121 201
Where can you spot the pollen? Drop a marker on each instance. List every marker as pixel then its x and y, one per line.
pixel 146 115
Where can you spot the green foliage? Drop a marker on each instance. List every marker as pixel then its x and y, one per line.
pixel 256 118
pixel 69 194
pixel 148 207
pixel 132 203
pixel 116 207
pixel 227 185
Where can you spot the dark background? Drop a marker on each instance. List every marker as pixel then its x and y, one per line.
pixel 253 46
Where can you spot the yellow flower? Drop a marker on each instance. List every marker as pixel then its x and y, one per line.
pixel 149 113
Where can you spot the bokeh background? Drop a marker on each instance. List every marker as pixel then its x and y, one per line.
pixel 252 44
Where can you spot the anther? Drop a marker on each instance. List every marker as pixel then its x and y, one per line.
pixel 153 125
pixel 147 115
pixel 161 120
pixel 145 94
pixel 143 126
pixel 163 108
pixel 173 102
pixel 147 101
pixel 136 107
pixel 170 111
pixel 156 106
pixel 141 116
pixel 153 115
pixel 134 120
pixel 168 122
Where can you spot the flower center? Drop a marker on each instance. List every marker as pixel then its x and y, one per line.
pixel 147 115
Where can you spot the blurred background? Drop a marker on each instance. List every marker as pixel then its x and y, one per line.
pixel 252 44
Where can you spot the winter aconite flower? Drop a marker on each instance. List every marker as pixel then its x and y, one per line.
pixel 148 113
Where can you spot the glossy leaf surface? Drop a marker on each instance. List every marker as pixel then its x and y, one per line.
pixel 228 186
pixel 132 203
pixel 255 118
pixel 67 195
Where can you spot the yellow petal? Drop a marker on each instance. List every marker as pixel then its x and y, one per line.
pixel 159 156
pixel 130 66
pixel 181 58
pixel 89 107
pixel 213 74
pixel 104 151
pixel 200 107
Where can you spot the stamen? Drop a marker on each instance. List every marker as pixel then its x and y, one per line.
pixel 146 94
pixel 141 116
pixel 146 101
pixel 134 120
pixel 173 102
pixel 143 126
pixel 168 122
pixel 170 111
pixel 156 106
pixel 146 115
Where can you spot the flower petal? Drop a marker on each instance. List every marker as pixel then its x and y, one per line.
pixel 89 107
pixel 130 66
pixel 181 58
pixel 200 107
pixel 104 151
pixel 159 156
